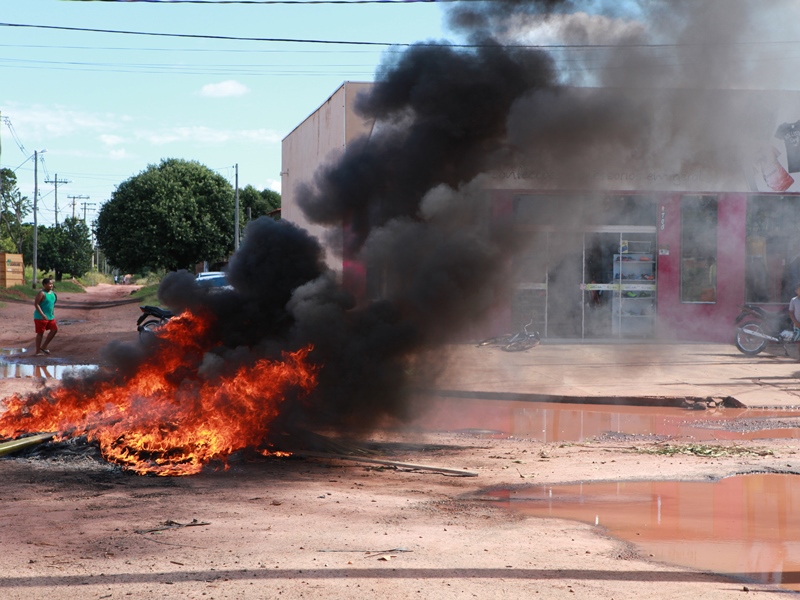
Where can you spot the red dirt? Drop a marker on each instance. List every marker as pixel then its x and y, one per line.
pixel 73 526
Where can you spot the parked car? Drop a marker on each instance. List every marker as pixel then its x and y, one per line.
pixel 212 280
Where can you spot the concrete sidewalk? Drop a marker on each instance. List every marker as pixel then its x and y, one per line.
pixel 644 370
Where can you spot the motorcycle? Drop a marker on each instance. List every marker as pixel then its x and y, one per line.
pixel 757 328
pixel 157 317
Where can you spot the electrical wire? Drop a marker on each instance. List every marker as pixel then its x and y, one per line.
pixel 14 135
pixel 197 36
pixel 397 44
pixel 300 2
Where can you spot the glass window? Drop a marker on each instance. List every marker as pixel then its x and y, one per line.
pixel 772 263
pixel 699 249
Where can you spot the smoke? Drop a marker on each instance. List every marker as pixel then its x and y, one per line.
pixel 572 89
pixel 569 88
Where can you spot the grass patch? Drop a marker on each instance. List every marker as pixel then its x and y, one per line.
pixel 18 292
pixel 147 293
pixel 93 278
pixel 68 287
pixel 707 450
pixel 24 291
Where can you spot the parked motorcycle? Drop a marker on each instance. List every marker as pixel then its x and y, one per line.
pixel 152 318
pixel 757 328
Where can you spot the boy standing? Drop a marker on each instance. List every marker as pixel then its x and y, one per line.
pixel 44 318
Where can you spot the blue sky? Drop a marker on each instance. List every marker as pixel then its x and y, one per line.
pixel 105 106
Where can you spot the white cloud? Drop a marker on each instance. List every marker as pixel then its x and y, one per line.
pixel 111 140
pixel 47 122
pixel 206 135
pixel 224 89
pixel 274 184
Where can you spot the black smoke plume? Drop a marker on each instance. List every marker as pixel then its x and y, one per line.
pixel 410 196
pixel 524 95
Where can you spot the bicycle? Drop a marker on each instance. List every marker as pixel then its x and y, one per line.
pixel 515 342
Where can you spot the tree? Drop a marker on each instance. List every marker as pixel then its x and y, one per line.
pixel 171 216
pixel 260 203
pixel 66 248
pixel 14 207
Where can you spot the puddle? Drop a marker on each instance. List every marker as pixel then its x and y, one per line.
pixel 70 321
pixel 12 351
pixel 745 526
pixel 550 422
pixel 18 370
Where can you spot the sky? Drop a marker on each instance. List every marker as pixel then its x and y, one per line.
pixel 102 107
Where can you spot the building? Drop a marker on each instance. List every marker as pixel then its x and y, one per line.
pixel 648 252
pixel 317 141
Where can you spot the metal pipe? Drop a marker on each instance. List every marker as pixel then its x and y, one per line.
pixel 23 443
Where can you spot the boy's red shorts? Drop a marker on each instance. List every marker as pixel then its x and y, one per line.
pixel 43 325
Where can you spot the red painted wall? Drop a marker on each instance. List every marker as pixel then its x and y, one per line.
pixel 710 322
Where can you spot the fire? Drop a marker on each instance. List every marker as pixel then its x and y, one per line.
pixel 167 419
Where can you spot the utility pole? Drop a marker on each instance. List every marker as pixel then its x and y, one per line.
pixel 56 181
pixel 85 205
pixel 236 222
pixel 74 198
pixel 35 220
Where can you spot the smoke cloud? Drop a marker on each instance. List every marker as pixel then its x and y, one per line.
pixel 568 88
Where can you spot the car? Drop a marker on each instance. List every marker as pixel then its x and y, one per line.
pixel 213 280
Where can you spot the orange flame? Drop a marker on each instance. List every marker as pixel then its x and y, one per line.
pixel 167 419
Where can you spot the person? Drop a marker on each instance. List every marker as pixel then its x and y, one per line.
pixel 794 315
pixel 44 318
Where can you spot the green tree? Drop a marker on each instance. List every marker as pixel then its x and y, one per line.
pixel 260 203
pixel 66 248
pixel 171 216
pixel 14 207
pixel 27 242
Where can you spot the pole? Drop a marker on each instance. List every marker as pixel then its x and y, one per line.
pixel 236 218
pixel 56 181
pixel 35 220
pixel 55 185
pixel 85 205
pixel 74 198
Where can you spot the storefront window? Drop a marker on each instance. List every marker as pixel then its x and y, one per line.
pixel 772 265
pixel 699 249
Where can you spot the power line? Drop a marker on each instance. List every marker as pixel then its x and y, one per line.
pixel 14 135
pixel 300 2
pixel 200 36
pixel 247 69
pixel 403 44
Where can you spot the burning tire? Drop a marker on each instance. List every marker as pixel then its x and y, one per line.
pixel 147 330
pixel 750 345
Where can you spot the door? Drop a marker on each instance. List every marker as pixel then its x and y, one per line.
pixel 564 286
pixel 598 287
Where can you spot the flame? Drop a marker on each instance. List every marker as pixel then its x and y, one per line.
pixel 167 419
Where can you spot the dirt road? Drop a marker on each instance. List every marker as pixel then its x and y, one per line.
pixel 74 526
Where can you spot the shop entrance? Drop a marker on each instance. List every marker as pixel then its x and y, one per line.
pixel 590 285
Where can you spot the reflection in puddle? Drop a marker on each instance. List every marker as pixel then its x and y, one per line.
pixel 15 370
pixel 549 422
pixel 12 351
pixel 745 526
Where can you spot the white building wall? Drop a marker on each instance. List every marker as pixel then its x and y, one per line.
pixel 317 141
